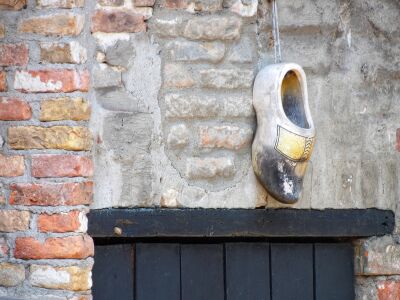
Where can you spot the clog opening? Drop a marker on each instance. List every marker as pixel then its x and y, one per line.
pixel 292 100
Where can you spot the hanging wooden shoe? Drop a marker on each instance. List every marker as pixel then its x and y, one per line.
pixel 285 133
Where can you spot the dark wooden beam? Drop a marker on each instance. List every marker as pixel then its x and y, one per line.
pixel 177 223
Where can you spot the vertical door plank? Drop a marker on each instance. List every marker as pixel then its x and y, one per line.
pixel 247 271
pixel 202 272
pixel 292 271
pixel 113 272
pixel 334 273
pixel 157 271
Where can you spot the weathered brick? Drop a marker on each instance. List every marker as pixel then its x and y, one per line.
pixel 74 138
pixel 72 278
pixel 51 194
pixel 229 137
pixel 193 51
pixel 213 28
pixel 14 109
pixel 139 3
pixel 193 5
pixel 52 81
pixel 177 76
pixel 60 3
pixel 378 256
pixel 246 8
pixel 61 166
pixel 53 25
pixel 63 53
pixel 3 247
pixel 226 79
pixel 111 2
pixel 14 220
pixel 63 247
pixel 11 166
pixel 179 106
pixel 12 4
pixel 178 136
pixel 65 108
pixel 206 168
pixel 14 54
pixel 389 290
pixel 3 81
pixel 11 274
pixel 2 30
pixel 117 21
pixel 398 139
pixel 73 221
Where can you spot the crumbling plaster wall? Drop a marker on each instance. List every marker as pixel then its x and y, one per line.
pixel 172 110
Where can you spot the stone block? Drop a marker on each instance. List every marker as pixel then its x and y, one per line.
pixel 14 109
pixel 58 109
pixel 167 27
pixel 121 54
pixel 208 168
pixel 105 77
pixel 213 28
pixel 228 137
pixel 195 52
pixel 243 51
pixel 14 220
pixel 51 194
pixel 11 166
pixel 178 136
pixel 114 3
pixel 72 278
pixel 52 165
pixel 140 3
pixel 53 25
pixel 70 247
pixel 74 138
pixel 226 78
pixel 177 76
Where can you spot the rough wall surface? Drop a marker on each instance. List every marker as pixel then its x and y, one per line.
pixel 169 84
pixel 45 164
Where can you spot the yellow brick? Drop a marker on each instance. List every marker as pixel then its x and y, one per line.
pixel 73 138
pixel 58 109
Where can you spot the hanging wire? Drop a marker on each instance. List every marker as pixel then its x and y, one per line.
pixel 275 33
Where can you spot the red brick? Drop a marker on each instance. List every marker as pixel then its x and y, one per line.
pixel 52 81
pixel 11 166
pixel 117 21
pixel 63 222
pixel 63 247
pixel 14 55
pixel 398 139
pixel 175 4
pixel 14 109
pixel 51 194
pixel 389 290
pixel 3 82
pixel 61 166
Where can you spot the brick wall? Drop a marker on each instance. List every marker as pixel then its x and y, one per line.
pixel 169 84
pixel 45 164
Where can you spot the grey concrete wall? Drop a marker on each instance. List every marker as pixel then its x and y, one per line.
pixel 172 114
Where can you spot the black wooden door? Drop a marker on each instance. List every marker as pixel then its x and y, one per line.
pixel 224 271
